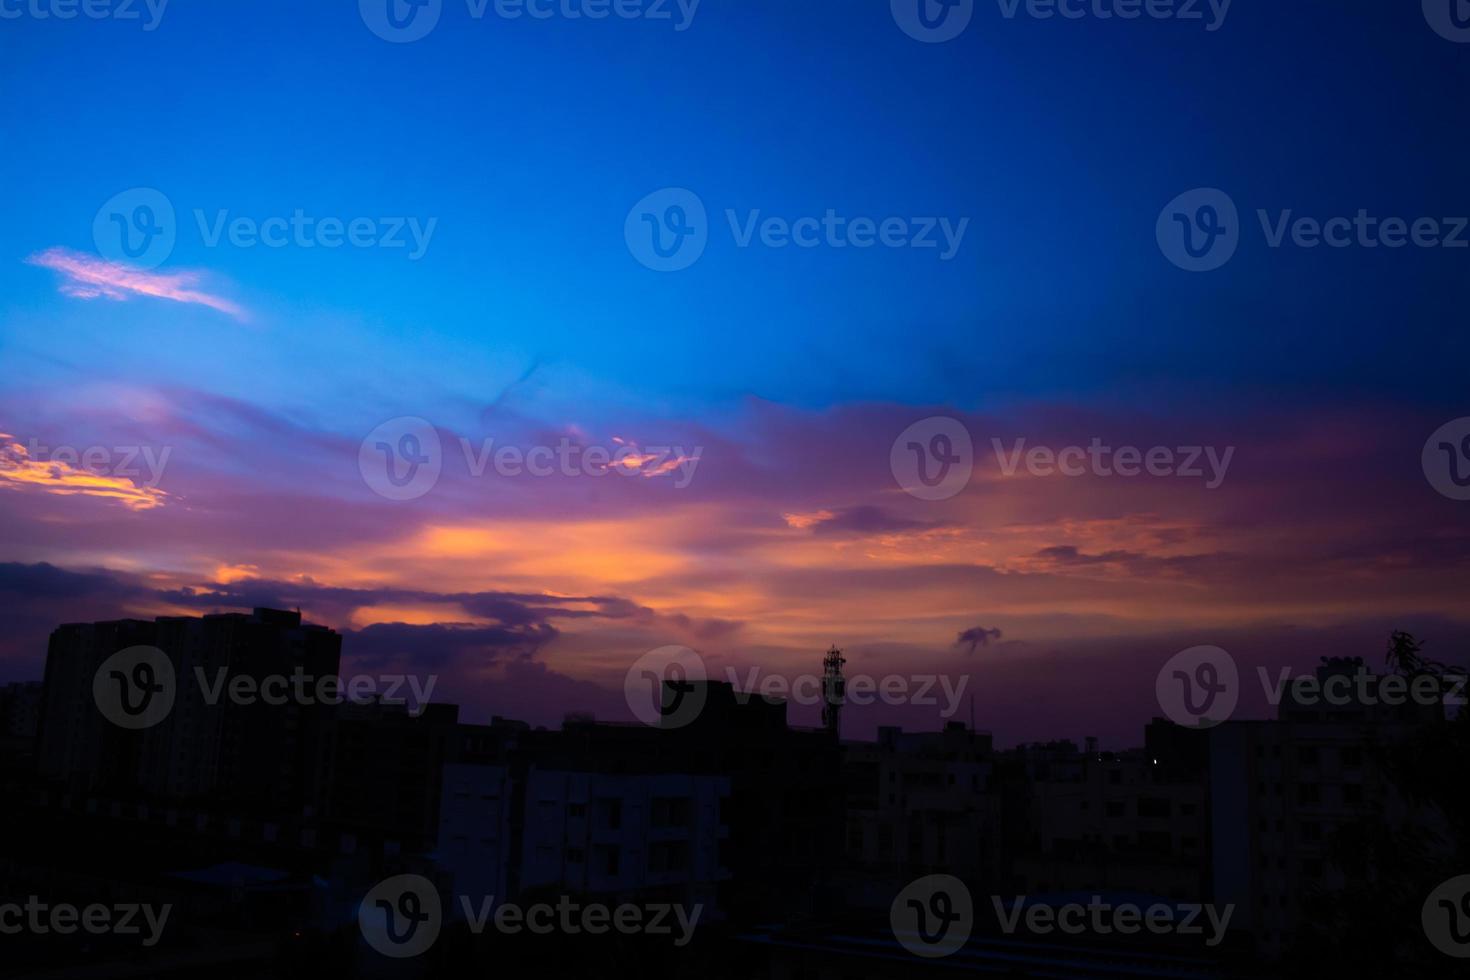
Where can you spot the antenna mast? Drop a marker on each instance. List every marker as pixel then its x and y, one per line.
pixel 834 692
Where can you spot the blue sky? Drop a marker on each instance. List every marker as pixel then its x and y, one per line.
pixel 529 140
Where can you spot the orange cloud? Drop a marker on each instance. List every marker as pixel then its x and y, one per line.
pixel 19 472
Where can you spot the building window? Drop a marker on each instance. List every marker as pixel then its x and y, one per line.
pixel 667 856
pixel 670 811
pixel 1149 806
pixel 610 813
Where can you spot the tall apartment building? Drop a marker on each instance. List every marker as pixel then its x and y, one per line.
pixel 649 836
pixel 611 812
pixel 919 803
pixel 210 744
pixel 1281 789
pixel 1134 821
pixel 20 710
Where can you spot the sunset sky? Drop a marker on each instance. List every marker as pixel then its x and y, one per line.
pixel 247 377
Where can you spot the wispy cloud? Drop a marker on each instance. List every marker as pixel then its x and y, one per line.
pixel 90 277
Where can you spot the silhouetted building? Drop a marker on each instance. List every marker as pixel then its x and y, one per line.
pixel 377 773
pixel 213 743
pixel 1114 821
pixel 1282 791
pixel 918 803
pixel 20 709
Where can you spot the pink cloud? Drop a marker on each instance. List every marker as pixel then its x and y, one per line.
pixel 89 277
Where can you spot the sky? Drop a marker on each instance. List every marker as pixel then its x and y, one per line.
pixel 233 378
